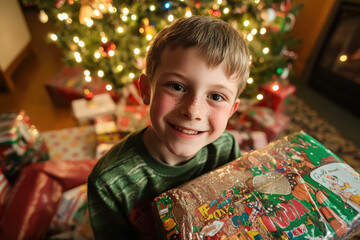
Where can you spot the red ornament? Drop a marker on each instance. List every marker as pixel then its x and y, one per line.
pixel 105 48
pixel 215 13
pixel 88 94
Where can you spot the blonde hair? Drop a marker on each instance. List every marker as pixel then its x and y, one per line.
pixel 216 40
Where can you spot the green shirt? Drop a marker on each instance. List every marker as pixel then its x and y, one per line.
pixel 124 182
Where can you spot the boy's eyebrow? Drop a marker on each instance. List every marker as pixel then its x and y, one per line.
pixel 179 75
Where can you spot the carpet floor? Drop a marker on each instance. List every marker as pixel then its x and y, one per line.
pixel 307 119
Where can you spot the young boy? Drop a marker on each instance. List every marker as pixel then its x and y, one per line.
pixel 195 70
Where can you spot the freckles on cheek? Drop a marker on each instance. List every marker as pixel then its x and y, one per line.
pixel 163 103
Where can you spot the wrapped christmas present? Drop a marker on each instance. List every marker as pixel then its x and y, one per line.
pixel 20 143
pixel 35 196
pixel 262 119
pixel 70 202
pixel 132 117
pixel 276 96
pixel 4 191
pixel 69 84
pixel 83 229
pixel 107 134
pixel 249 140
pixel 75 143
pixel 293 188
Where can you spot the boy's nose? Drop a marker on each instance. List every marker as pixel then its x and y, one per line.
pixel 192 108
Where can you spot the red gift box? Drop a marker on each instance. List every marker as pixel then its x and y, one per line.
pixel 36 194
pixel 276 96
pixel 266 120
pixel 132 117
pixel 69 85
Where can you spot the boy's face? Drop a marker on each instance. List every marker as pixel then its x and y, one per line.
pixel 190 103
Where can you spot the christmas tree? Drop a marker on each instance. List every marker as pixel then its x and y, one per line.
pixel 109 38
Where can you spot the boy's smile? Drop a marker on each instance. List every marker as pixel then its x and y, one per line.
pixel 190 104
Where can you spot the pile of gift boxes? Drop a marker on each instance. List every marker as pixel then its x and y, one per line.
pixel 39 196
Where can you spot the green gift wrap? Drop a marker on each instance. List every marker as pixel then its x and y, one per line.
pixel 293 188
pixel 20 143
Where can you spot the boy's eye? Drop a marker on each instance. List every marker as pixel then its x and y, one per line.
pixel 216 97
pixel 177 87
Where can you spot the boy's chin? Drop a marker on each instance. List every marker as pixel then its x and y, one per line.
pixel 185 153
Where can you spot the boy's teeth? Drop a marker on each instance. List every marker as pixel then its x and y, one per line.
pixel 185 130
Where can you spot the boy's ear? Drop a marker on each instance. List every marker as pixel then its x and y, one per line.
pixel 145 89
pixel 234 107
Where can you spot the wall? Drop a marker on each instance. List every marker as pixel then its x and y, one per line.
pixel 309 27
pixel 14 32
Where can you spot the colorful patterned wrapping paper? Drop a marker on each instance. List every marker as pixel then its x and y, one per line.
pixel 20 144
pixel 293 188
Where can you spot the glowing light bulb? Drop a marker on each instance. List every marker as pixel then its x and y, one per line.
pixel 96 12
pixel 266 50
pixel 249 37
pixel 100 73
pixel 167 5
pixel 188 13
pixel 88 79
pixel 101 6
pixel 148 37
pixel 275 87
pixel 111 53
pixel 219 1
pixel 131 75
pixel 125 11
pixel 120 29
pixel 119 68
pixel 124 18
pixel 97 55
pixel 89 22
pixel 104 39
pixel 62 16
pixel 76 39
pixel 53 37
pixel 171 18
pixel 343 58
pixel 76 54
pixel 250 80
pixel 262 31
pixel 259 96
pixel 246 23
pixel 253 31
pixel 136 51
pixel 226 10
pixel 108 87
pixel 112 9
pixel 152 8
pixel 81 44
pixel 78 59
pixel 86 72
pixel 133 17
